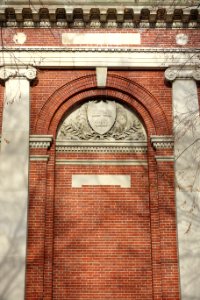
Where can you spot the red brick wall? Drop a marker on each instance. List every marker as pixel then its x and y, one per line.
pixel 101 242
pixel 168 229
pixel 149 37
pixel 36 230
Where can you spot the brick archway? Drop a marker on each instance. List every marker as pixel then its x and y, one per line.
pixel 148 186
pixel 117 87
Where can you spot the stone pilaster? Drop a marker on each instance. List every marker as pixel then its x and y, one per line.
pixel 187 173
pixel 14 165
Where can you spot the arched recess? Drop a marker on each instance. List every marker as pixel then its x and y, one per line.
pixel 125 90
pixel 155 121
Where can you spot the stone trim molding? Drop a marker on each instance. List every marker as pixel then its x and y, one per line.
pixel 169 158
pixel 162 141
pixel 40 141
pixel 185 72
pixel 108 147
pixel 18 72
pixel 127 162
pixel 109 57
pixel 39 158
pixel 47 49
pixel 92 16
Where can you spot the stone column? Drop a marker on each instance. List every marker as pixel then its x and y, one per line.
pixel 186 123
pixel 14 164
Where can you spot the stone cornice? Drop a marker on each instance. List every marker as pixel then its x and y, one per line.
pixel 17 72
pixel 99 15
pixel 184 72
pixel 92 57
pixel 40 141
pixel 162 142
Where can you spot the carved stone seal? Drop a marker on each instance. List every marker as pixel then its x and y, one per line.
pixel 101 115
pixel 102 120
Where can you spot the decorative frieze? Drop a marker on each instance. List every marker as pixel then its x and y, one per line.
pixel 104 147
pixel 162 142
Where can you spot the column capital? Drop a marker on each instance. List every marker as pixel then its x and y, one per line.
pixel 27 72
pixel 185 72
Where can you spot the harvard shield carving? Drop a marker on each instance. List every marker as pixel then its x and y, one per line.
pixel 101 115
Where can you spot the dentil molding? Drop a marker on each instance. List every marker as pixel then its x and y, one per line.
pixel 162 142
pixel 40 141
pixel 101 147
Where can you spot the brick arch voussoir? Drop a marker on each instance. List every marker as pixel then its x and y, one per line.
pixel 142 95
pixel 118 87
pixel 111 93
pixel 56 100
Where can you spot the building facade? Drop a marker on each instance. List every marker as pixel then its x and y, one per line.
pixel 99 161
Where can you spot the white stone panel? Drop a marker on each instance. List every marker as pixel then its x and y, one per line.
pixel 123 181
pixel 101 74
pixel 187 166
pixel 92 57
pixel 14 158
pixel 101 38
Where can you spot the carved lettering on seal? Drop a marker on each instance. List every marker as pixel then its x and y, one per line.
pixel 101 115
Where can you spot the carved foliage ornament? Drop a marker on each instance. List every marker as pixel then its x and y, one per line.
pixel 102 120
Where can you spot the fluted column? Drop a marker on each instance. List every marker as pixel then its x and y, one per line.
pixel 186 123
pixel 14 164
